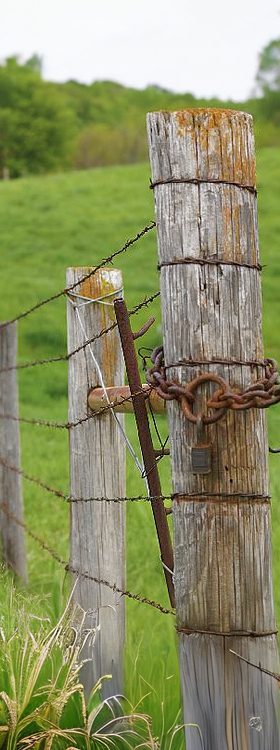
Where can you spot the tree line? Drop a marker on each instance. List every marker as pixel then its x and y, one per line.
pixel 47 126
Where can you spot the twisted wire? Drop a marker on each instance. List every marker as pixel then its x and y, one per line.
pixel 65 357
pixel 69 499
pixel 69 425
pixel 91 273
pixel 69 568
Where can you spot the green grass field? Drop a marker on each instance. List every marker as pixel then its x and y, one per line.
pixel 47 224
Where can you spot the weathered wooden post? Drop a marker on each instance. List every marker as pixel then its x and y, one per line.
pixel 11 535
pixel 203 173
pixel 97 469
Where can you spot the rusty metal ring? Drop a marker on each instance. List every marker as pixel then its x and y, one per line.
pixel 192 387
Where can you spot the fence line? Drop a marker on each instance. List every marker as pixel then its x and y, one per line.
pixel 80 565
pixel 65 357
pixel 103 263
pixel 69 499
pixel 83 574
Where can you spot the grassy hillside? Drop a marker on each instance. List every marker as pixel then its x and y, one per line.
pixel 49 127
pixel 47 224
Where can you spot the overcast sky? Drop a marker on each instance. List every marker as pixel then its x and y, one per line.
pixel 207 47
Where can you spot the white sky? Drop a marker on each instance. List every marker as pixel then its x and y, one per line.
pixel 207 47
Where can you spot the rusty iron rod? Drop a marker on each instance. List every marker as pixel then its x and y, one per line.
pixel 147 448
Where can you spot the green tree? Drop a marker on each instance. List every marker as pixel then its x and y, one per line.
pixel 268 75
pixel 35 62
pixel 36 124
pixel 268 83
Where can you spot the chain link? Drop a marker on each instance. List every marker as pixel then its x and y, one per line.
pixel 257 395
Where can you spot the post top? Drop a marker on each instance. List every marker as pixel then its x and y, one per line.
pixel 103 281
pixel 202 143
pixel 217 112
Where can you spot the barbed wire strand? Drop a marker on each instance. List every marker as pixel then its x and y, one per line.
pixel 70 425
pixel 91 273
pixel 69 568
pixel 65 357
pixel 71 500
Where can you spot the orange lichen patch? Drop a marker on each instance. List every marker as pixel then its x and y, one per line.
pixel 201 113
pixel 223 140
pixel 95 285
pixel 184 121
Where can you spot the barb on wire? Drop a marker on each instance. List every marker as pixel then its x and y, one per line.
pixel 65 357
pixel 275 675
pixel 103 263
pixel 69 499
pixel 69 568
pixel 68 425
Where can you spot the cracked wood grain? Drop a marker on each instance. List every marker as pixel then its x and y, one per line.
pixel 97 468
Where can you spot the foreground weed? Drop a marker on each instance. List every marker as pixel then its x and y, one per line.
pixel 42 703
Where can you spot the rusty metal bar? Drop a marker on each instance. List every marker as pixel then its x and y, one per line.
pixel 122 400
pixel 148 453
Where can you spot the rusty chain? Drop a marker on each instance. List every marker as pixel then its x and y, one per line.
pixel 258 395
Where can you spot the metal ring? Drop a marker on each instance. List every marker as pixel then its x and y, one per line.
pixel 192 387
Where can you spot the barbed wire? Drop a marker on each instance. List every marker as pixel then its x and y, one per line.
pixel 103 263
pixel 65 357
pixel 70 425
pixel 69 568
pixel 69 499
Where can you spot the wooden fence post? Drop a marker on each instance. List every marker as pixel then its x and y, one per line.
pixel 11 534
pixel 204 168
pixel 97 469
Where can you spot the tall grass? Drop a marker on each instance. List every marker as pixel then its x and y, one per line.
pixel 42 702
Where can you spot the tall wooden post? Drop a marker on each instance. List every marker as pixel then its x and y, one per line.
pixel 203 167
pixel 11 534
pixel 97 468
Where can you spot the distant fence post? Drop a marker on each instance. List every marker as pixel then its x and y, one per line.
pixel 203 170
pixel 11 534
pixel 97 469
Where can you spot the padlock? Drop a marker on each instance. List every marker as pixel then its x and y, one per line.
pixel 201 454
